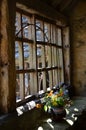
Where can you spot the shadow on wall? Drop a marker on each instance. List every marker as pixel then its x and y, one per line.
pixel 81 91
pixel 27 121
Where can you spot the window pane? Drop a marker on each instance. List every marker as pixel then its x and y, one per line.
pixel 18 55
pixel 54 77
pixel 18 25
pixel 28 57
pixel 40 81
pixel 40 56
pixel 48 56
pixel 59 37
pixel 27 83
pixel 39 31
pixel 26 50
pixel 19 87
pixel 46 32
pixel 60 58
pixel 54 59
pixel 49 79
pixel 26 27
pixel 53 33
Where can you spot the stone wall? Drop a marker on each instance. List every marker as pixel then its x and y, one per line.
pixel 78 48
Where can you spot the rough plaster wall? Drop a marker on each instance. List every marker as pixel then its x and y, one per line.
pixel 78 46
pixel 66 45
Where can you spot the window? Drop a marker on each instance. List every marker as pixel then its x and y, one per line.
pixel 38 55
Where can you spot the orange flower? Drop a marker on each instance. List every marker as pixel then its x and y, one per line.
pixel 51 92
pixel 38 105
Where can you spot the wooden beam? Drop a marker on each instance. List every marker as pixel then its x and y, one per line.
pixel 55 3
pixel 65 4
pixel 7 60
pixel 42 8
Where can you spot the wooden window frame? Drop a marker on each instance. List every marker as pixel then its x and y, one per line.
pixel 53 69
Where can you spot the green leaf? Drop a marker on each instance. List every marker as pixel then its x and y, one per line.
pixel 45 108
pixel 60 101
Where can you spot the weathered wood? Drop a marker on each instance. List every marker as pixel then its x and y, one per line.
pixel 7 63
pixel 42 8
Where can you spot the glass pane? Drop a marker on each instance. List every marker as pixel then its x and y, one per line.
pixel 40 81
pixel 18 25
pixel 39 31
pixel 59 37
pixel 48 56
pixel 53 33
pixel 40 56
pixel 27 55
pixel 26 50
pixel 60 58
pixel 54 77
pixel 18 55
pixel 26 65
pixel 26 27
pixel 19 87
pixel 60 77
pixel 46 32
pixel 49 79
pixel 54 59
pixel 27 83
